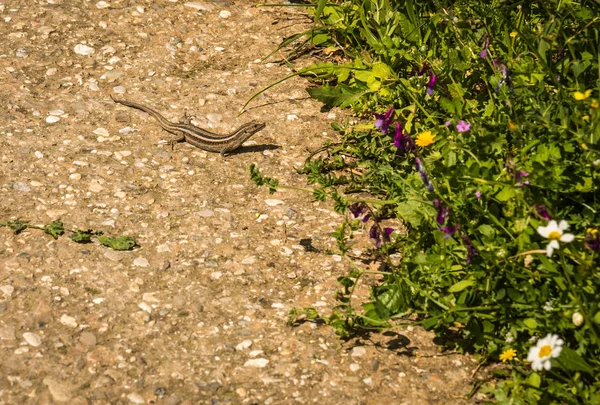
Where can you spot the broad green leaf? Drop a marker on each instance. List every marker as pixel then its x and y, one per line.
pixel 118 243
pixel 381 71
pixel 55 229
pixel 531 323
pixel 506 193
pixel 461 285
pixel 570 360
pixel 534 379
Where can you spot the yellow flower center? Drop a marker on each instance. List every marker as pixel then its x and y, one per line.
pixel 554 235
pixel 545 351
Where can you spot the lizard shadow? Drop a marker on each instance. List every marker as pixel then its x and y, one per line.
pixel 253 148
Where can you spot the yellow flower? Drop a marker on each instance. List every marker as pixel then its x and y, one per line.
pixel 513 34
pixel 512 126
pixel 425 139
pixel 508 355
pixel 594 104
pixel 579 96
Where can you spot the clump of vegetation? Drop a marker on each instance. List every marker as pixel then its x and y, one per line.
pixel 486 143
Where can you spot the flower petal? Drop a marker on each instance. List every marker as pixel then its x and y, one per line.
pixel 543 231
pixel 567 237
pixel 563 225
pixel 547 365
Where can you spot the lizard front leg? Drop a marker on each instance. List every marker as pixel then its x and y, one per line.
pixel 179 138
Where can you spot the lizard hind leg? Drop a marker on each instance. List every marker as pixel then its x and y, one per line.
pixel 177 139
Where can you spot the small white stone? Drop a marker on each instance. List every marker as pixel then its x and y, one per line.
pixel 260 363
pixel 214 117
pixel 215 275
pixel 354 367
pixel 7 290
pixel 249 260
pixel 56 112
pixel 75 176
pixel 140 9
pixel 163 249
pixel 68 321
pixel 368 381
pixel 95 188
pixel 145 307
pixel 36 184
pixel 255 353
pixel 119 89
pixel 125 153
pixel 136 398
pixel 81 49
pixel 32 339
pixel 292 117
pixel 231 92
pixel 278 305
pixel 51 71
pixel 101 131
pixel 197 6
pixel 219 48
pixel 141 262
pixel 102 4
pixel 358 351
pixel 51 119
pixel 271 202
pixel 120 194
pixel 38 154
pixel 286 251
pixel 206 213
pixel 99 300
pixel 243 345
pixel 225 14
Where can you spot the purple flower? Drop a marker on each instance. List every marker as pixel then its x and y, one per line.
pixel 375 233
pixel 470 248
pixel 403 141
pixel 383 121
pixel 449 230
pixel 447 123
pixel 592 240
pixel 424 69
pixel 359 211
pixel 463 126
pixel 506 78
pixel 483 53
pixel 542 211
pixel 478 194
pixel 519 175
pixel 423 174
pixel 442 213
pixel 431 84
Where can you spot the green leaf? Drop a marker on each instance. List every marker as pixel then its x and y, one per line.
pixel 506 194
pixel 118 243
pixel 381 71
pixel 531 323
pixel 534 379
pixel 16 226
pixel 570 360
pixel 55 229
pixel 340 96
pixel 461 285
pixel 80 236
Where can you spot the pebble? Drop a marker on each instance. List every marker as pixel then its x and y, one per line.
pixel 6 332
pixel 145 307
pixel 354 367
pixel 95 188
pixel 368 381
pixel 225 14
pixel 75 176
pixel 271 202
pixel 260 363
pixel 32 339
pixel 197 6
pixel 51 119
pixel 243 345
pixel 38 154
pixel 292 117
pixel 60 392
pixel 119 89
pixel 286 251
pixel 136 398
pixel 255 353
pixel 7 290
pixel 249 260
pixel 206 213
pixel 120 194
pixel 214 117
pixel 358 351
pixel 88 338
pixel 68 321
pixel 102 4
pixel 56 112
pixel 81 49
pixel 219 48
pixel 113 255
pixel 19 186
pixel 51 71
pixel 141 262
pixel 101 131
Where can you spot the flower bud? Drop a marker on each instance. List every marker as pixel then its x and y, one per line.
pixel 577 319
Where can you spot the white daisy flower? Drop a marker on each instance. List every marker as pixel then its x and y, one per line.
pixel 545 349
pixel 554 232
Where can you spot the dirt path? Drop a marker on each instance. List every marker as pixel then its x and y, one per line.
pixel 197 314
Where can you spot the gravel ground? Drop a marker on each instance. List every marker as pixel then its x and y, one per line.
pixel 197 314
